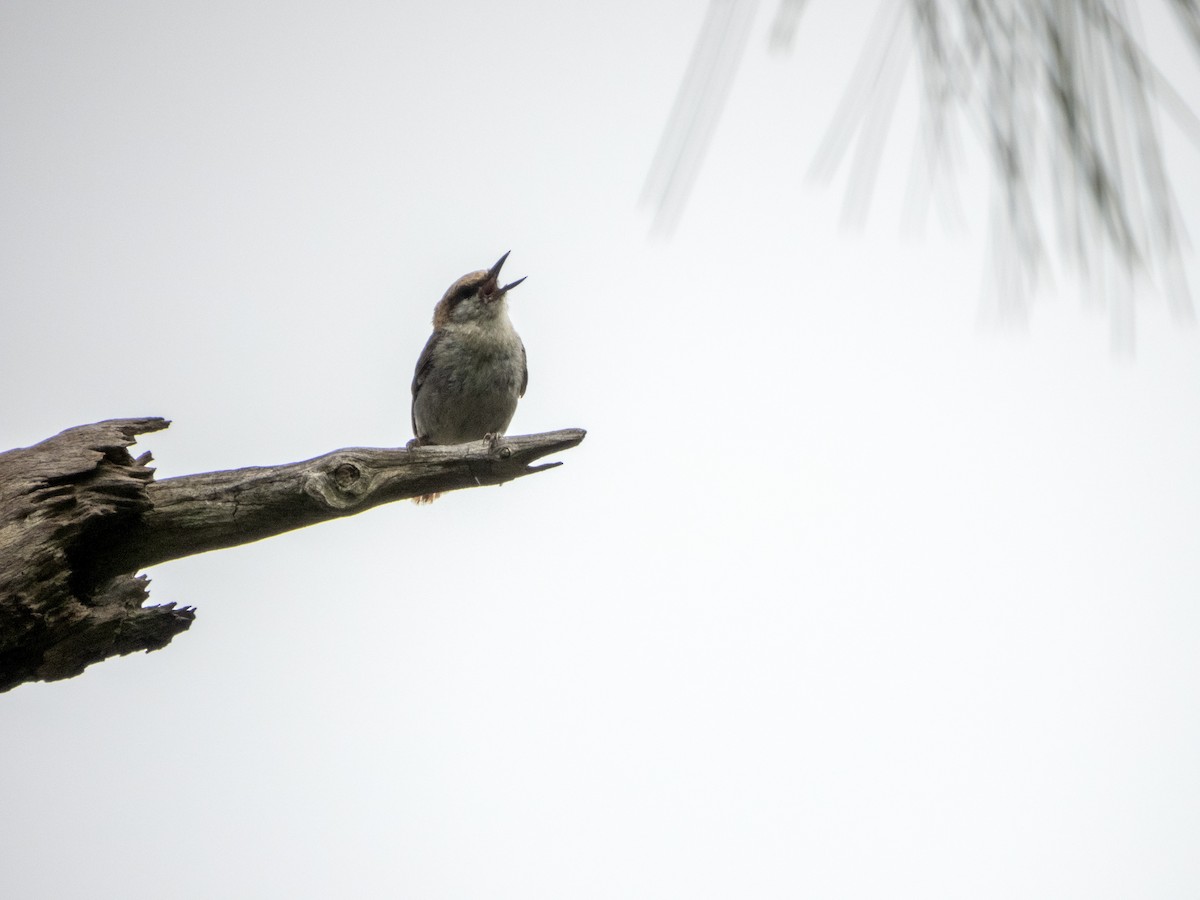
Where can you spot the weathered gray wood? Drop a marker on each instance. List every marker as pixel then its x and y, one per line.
pixel 55 497
pixel 79 517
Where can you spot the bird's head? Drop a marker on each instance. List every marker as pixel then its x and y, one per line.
pixel 476 297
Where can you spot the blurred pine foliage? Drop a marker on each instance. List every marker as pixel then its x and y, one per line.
pixel 1062 93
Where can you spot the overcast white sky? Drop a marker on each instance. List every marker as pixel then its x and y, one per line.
pixel 845 595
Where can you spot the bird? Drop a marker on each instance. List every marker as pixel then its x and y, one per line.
pixel 473 369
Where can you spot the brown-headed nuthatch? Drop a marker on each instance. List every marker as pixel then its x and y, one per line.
pixel 472 370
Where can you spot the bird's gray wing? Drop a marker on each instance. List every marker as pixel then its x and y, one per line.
pixel 424 364
pixel 524 369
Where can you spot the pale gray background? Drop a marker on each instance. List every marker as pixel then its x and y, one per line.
pixel 849 592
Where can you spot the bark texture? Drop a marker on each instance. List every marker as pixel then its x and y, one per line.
pixel 79 516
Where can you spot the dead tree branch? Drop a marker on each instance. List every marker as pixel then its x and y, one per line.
pixel 79 517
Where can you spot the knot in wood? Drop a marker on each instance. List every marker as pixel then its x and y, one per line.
pixel 346 474
pixel 340 483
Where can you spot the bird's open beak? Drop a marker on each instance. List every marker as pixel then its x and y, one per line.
pixel 494 276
